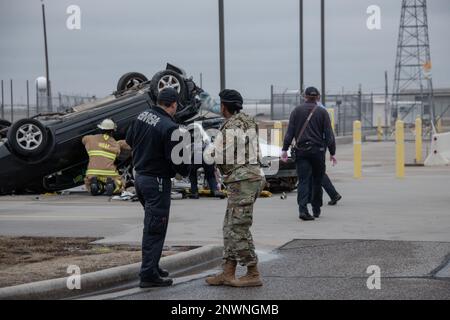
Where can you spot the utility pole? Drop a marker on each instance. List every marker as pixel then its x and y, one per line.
pixel 360 103
pixel 302 84
pixel 47 73
pixel 386 105
pixel 271 102
pixel 3 102
pixel 222 45
pixel 12 101
pixel 322 23
pixel 28 100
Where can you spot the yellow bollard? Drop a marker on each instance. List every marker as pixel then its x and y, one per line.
pixel 418 140
pixel 400 149
pixel 357 155
pixel 379 129
pixel 331 113
pixel 278 127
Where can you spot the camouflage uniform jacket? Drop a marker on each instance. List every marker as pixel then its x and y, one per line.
pixel 235 167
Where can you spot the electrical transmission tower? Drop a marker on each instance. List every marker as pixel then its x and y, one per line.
pixel 413 63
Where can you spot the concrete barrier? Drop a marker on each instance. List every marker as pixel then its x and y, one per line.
pixel 95 281
pixel 440 150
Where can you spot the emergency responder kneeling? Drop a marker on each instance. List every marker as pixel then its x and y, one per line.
pixel 103 150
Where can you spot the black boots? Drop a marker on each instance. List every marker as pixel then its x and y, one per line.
pixel 156 282
pixel 110 187
pixel 163 273
pixel 316 212
pixel 305 216
pixel 218 194
pixel 334 201
pixel 215 194
pixel 96 188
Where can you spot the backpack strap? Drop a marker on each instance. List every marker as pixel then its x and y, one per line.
pixel 297 139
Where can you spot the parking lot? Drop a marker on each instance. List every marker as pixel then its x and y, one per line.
pixel 410 213
pixel 377 206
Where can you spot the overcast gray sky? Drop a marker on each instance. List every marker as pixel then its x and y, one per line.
pixel 262 44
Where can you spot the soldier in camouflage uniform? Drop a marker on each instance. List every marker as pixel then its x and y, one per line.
pixel 244 180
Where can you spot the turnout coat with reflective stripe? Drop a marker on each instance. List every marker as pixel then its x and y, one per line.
pixel 103 151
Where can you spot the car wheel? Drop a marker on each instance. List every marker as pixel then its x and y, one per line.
pixel 130 80
pixel 168 79
pixel 28 137
pixel 4 125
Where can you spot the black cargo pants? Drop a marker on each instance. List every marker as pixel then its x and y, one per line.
pixel 154 195
pixel 310 171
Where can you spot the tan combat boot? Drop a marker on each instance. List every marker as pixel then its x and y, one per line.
pixel 226 277
pixel 251 279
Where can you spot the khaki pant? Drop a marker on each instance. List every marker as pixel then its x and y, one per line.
pixel 237 238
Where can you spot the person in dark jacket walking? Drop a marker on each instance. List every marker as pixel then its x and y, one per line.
pixel 150 137
pixel 327 185
pixel 311 127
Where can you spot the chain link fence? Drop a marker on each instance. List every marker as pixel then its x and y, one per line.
pixel 344 109
pixel 17 104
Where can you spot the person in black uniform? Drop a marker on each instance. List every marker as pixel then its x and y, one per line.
pixel 209 170
pixel 149 136
pixel 210 175
pixel 310 125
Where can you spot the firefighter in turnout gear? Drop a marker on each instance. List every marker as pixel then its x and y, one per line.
pixel 102 175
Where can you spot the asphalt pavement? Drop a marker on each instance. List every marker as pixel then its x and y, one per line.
pixel 331 269
pixel 378 206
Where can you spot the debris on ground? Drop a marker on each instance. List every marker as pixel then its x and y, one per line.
pixel 126 196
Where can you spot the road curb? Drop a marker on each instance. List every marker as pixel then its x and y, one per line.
pixel 57 288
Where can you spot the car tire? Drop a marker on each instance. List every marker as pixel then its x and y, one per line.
pixel 28 137
pixel 168 78
pixel 130 80
pixel 4 124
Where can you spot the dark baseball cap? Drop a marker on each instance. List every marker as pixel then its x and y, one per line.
pixel 312 92
pixel 231 96
pixel 168 95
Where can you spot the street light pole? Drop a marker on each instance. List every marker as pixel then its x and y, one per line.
pixel 302 85
pixel 47 74
pixel 386 105
pixel 322 22
pixel 222 45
